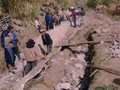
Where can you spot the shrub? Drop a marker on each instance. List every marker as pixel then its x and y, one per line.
pixel 92 3
pixel 110 87
pixel 31 15
pixel 107 2
pixel 65 3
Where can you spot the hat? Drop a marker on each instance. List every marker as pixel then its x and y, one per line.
pixel 72 7
pixel 42 30
pixel 10 28
pixel 30 43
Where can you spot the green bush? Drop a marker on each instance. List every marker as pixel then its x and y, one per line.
pixel 66 3
pixel 92 3
pixel 110 87
pixel 107 2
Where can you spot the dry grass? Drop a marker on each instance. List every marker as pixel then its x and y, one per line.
pixel 2 66
pixel 17 7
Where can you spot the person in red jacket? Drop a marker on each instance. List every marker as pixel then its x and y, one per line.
pixel 74 15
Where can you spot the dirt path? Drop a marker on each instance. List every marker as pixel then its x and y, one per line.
pixel 59 35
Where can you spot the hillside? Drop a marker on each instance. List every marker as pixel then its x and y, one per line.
pixel 82 58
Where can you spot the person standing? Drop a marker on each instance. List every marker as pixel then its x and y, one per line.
pixel 47 20
pixel 38 24
pixel 47 41
pixel 9 55
pixel 3 37
pixel 14 41
pixel 51 26
pixel 82 21
pixel 32 54
pixel 74 15
pixel 79 11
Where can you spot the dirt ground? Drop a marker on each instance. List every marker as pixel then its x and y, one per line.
pixel 53 75
pixel 111 31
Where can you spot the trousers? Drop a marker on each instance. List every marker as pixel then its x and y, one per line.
pixel 29 66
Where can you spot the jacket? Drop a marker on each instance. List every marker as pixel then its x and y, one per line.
pixel 47 18
pixel 32 54
pixel 47 39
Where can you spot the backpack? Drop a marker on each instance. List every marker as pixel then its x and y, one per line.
pixel 82 13
pixel 2 37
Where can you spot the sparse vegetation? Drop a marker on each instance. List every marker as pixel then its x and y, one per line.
pixel 17 7
pixel 104 87
pixel 2 66
pixel 20 7
pixel 93 3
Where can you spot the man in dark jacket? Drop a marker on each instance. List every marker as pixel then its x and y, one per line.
pixel 47 20
pixel 47 41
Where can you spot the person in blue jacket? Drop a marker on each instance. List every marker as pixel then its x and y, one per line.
pixel 47 20
pixel 3 36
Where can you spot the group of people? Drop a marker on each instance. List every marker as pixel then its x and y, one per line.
pixel 51 20
pixel 54 19
pixel 74 13
pixel 32 54
pixel 10 41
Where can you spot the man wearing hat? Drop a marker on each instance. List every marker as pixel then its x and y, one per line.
pixel 47 41
pixel 14 40
pixel 32 54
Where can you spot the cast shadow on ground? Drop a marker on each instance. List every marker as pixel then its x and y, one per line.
pixel 116 81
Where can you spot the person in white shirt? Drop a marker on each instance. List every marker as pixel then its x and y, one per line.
pixel 38 24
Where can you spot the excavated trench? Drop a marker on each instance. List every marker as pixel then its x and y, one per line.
pixel 86 80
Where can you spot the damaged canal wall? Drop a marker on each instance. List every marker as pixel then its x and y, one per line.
pixel 107 56
pixel 67 70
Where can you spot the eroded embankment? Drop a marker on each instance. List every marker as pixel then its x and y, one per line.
pixel 67 69
pixel 86 80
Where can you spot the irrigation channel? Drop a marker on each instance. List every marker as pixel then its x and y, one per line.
pixel 86 81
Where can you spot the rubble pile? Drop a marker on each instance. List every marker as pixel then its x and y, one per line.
pixel 115 49
pixel 74 72
pixel 18 25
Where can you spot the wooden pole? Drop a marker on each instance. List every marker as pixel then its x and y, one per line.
pixel 109 70
pixel 82 43
pixel 35 71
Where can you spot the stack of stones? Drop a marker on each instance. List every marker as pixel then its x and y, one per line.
pixel 115 49
pixel 74 71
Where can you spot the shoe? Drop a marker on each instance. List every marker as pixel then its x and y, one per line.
pixel 12 71
pixel 15 68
